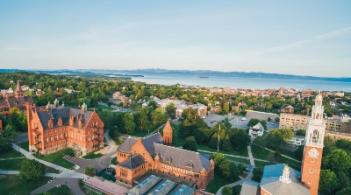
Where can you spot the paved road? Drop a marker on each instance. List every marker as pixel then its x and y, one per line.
pixel 98 163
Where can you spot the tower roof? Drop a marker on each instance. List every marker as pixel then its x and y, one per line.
pixel 18 86
pixel 167 127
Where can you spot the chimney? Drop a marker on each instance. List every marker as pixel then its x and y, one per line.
pixel 59 122
pixel 71 120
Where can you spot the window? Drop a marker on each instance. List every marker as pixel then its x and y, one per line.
pixel 315 136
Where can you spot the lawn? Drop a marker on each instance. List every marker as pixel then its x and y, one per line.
pixel 14 164
pixel 57 158
pixel 10 154
pixel 59 191
pixel 261 153
pixel 24 145
pixel 14 185
pixel 92 155
pixel 217 182
pixel 233 152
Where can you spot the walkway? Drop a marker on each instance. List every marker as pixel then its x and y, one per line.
pixel 234 156
pixel 73 185
pixel 248 177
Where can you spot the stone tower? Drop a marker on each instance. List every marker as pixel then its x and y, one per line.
pixel 18 92
pixel 167 133
pixel 312 155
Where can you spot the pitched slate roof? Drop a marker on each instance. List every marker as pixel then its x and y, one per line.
pixel 271 181
pixel 150 140
pixel 133 162
pixel 64 113
pixel 147 142
pixel 181 158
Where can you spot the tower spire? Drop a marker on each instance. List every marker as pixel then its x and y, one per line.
pixel 314 142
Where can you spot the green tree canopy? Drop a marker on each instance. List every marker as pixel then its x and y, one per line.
pixel 328 182
pixel 190 143
pixel 338 160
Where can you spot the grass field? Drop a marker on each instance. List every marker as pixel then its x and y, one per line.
pixel 57 158
pixel 261 153
pixel 217 182
pixel 14 185
pixel 62 190
pixel 10 154
pixel 92 155
pixel 14 164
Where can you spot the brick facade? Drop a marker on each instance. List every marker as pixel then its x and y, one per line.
pixel 52 129
pixel 139 155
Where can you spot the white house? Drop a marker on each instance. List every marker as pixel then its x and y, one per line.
pixel 256 130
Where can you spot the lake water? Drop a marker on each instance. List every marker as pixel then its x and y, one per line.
pixel 241 82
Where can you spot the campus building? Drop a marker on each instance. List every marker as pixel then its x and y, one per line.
pixel 181 105
pixel 333 124
pixel 140 155
pixel 16 99
pixel 281 179
pixel 54 127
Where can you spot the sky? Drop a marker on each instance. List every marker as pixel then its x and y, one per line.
pixel 292 37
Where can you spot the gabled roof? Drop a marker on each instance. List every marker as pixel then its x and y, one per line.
pixel 64 113
pixel 181 158
pixel 147 142
pixel 133 162
pixel 258 126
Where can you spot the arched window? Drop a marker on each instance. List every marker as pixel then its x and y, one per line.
pixel 315 136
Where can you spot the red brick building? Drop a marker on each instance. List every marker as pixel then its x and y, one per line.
pixel 56 127
pixel 140 155
pixel 16 100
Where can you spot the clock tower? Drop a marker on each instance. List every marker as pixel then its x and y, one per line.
pixel 312 155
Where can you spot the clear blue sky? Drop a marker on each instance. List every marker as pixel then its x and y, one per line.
pixel 310 37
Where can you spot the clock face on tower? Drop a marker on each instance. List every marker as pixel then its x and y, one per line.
pixel 313 153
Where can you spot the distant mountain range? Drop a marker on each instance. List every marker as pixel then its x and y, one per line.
pixel 198 73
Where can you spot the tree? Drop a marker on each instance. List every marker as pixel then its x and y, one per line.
pixel 157 118
pixel 328 182
pixel 171 111
pixel 257 174
pixel 190 144
pixel 345 190
pixel 253 122
pixel 128 123
pixel 142 120
pixel 277 137
pixel 90 171
pixel 227 191
pixel 338 160
pixel 31 170
pixel 7 137
pixel 239 139
pixel 229 170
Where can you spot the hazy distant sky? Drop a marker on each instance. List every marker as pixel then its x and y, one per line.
pixel 310 37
